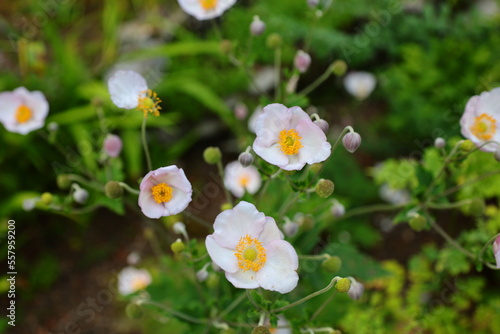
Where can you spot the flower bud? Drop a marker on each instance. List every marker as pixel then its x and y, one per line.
pixel 305 221
pixel 212 280
pixel 324 188
pixel 202 275
pixel 112 145
pixel 351 141
pixel 63 181
pixel 178 246
pixel 46 198
pixel 417 222
pixel 134 311
pixel 477 207
pixel 313 3
pixel 245 159
pixel 226 206
pixel 53 126
pixel 332 264
pixel 179 228
pixel 467 145
pixel 240 110
pixel 226 46
pixel 323 125
pixel 339 67
pixel 257 26
pixel 497 155
pixel 212 155
pixel 260 330
pixel 356 290
pixel 29 204
pixel 290 228
pixel 302 61
pixel 274 41
pixel 496 250
pixel 439 143
pixel 133 258
pixel 113 189
pixel 343 285
pixel 80 195
pixel 338 210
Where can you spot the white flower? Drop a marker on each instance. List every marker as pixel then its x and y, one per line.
pixel 164 192
pixel 288 138
pixel 253 118
pixel 360 84
pixel 23 111
pixel 238 179
pixel 481 120
pixel 205 9
pixel 129 90
pixel 250 248
pixel 131 279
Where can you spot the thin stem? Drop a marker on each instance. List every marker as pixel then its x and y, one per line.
pixel 266 184
pixel 321 308
pixel 486 245
pixel 178 314
pixel 446 206
pixel 466 184
pixel 89 184
pixel 262 318
pixel 441 171
pixel 145 144
pixel 372 208
pixel 277 73
pixel 253 301
pixel 232 306
pixel 452 241
pixel 312 295
pixel 221 174
pixel 316 82
pixel 129 188
pixel 314 257
pixel 346 129
pixel 197 219
pixel 286 206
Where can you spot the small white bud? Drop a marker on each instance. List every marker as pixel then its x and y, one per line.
pixel 302 61
pixel 179 228
pixel 290 228
pixel 356 290
pixel 53 126
pixel 351 141
pixel 257 26
pixel 245 159
pixel 323 125
pixel 80 195
pixel 338 210
pixel 30 203
pixel 133 258
pixel 202 274
pixel 439 143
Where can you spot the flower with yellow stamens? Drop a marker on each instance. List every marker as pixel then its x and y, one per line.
pixel 288 138
pixel 250 248
pixel 205 9
pixel 23 111
pixel 131 279
pixel 239 179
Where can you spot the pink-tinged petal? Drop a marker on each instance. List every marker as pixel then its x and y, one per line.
pixel 223 257
pixel 298 115
pixel 231 225
pixel 275 118
pixel 255 180
pixel 180 201
pixel 174 177
pixel 271 232
pixel 125 88
pixel 243 280
pixel 149 206
pixel 272 154
pixel 467 119
pixel 194 8
pixel 9 102
pixel 316 147
pixel 294 163
pixel 279 273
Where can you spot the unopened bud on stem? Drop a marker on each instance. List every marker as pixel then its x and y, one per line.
pixel 351 141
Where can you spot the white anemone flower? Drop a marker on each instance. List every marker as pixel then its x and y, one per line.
pixel 129 90
pixel 205 9
pixel 164 192
pixel 250 248
pixel 239 179
pixel 23 111
pixel 131 279
pixel 360 84
pixel 481 120
pixel 288 138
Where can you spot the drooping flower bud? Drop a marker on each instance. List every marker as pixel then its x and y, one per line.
pixel 133 258
pixel 332 264
pixel 112 145
pixel 302 61
pixel 343 285
pixel 274 41
pixel 496 250
pixel 338 210
pixel 323 125
pixel 177 246
pixel 80 195
pixel 439 143
pixel 245 159
pixel 467 145
pixel 290 228
pixel 324 188
pixel 212 155
pixel 351 141
pixel 202 274
pixel 30 203
pixel 240 110
pixel 257 26
pixel 113 189
pixel 180 228
pixel 356 290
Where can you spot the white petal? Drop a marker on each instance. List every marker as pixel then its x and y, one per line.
pixel 194 8
pixel 231 225
pixel 149 206
pixel 180 201
pixel 298 115
pixel 35 101
pixel 125 88
pixel 243 280
pixel 316 147
pixel 271 232
pixel 275 118
pixel 272 153
pixel 360 84
pixel 223 257
pixel 279 273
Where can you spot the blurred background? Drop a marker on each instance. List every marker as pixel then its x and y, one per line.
pixel 428 57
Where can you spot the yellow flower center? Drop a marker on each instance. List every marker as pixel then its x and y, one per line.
pixel 289 141
pixel 23 114
pixel 150 103
pixel 208 4
pixel 250 253
pixel 484 127
pixel 162 193
pixel 244 180
pixel 139 284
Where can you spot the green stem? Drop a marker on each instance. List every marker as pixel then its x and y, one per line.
pixel 314 257
pixel 253 301
pixel 232 306
pixel 178 314
pixel 321 308
pixel 221 175
pixel 286 206
pixel 145 144
pixel 89 184
pixel 443 168
pixel 446 206
pixel 277 73
pixel 315 84
pixel 452 241
pixel 129 188
pixel 480 255
pixel 346 129
pixel 465 184
pixel 372 208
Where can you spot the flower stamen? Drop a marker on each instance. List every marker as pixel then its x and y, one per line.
pixel 162 193
pixel 244 180
pixel 250 253
pixel 289 142
pixel 484 127
pixel 23 114
pixel 208 4
pixel 149 103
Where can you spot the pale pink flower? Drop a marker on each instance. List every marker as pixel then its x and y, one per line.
pixel 481 120
pixel 205 9
pixel 496 250
pixel 288 138
pixel 250 248
pixel 164 192
pixel 112 145
pixel 131 279
pixel 302 61
pixel 239 179
pixel 360 84
pixel 23 111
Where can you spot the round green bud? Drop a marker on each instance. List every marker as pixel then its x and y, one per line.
pixel 226 46
pixel 228 331
pixel 306 222
pixel 226 206
pixel 261 330
pixel 178 246
pixel 113 189
pixel 332 264
pixel 417 222
pixel 477 207
pixel 134 311
pixel 63 181
pixel 212 155
pixel 274 41
pixel 46 198
pixel 343 285
pixel 339 67
pixel 212 280
pixel 467 145
pixel 324 188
